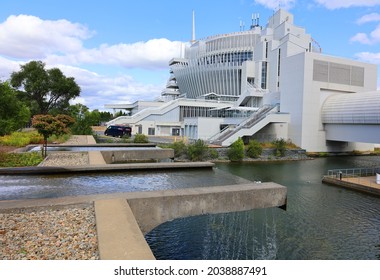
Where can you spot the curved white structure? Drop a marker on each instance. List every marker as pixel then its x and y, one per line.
pixel 354 108
pixel 264 83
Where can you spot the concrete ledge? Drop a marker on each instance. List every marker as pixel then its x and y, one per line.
pixel 95 158
pixel 137 155
pixel 45 170
pixel 119 235
pixel 107 145
pixel 122 219
pixel 154 208
pixel 350 185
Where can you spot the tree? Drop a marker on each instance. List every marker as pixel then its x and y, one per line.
pixel 48 125
pixel 13 113
pixel 254 149
pixel 236 150
pixel 44 89
pixel 279 147
pixel 197 151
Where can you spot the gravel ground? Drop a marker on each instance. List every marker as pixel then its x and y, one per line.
pixel 66 159
pixel 60 233
pixel 49 234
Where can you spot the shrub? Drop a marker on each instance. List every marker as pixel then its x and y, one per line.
pixel 236 150
pixel 21 139
pixel 179 148
pixel 197 151
pixel 140 138
pixel 19 160
pixel 213 154
pixel 254 149
pixel 279 147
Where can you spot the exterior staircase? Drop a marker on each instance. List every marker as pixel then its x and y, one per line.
pixel 265 115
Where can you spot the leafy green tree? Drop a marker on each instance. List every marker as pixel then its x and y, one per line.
pixel 86 118
pixel 279 147
pixel 179 148
pixel 236 150
pixel 48 125
pixel 45 90
pixel 254 149
pixel 197 151
pixel 13 113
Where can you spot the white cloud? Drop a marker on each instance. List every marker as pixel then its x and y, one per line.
pixel 374 17
pixel 98 90
pixel 336 4
pixel 60 44
pixel 30 37
pixel 371 38
pixel 275 4
pixel 369 57
pixel 152 54
pixel 60 41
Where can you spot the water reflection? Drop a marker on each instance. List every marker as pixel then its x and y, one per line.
pixel 27 187
pixel 321 221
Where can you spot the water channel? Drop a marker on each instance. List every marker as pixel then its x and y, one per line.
pixel 321 221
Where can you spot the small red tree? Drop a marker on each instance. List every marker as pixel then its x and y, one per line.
pixel 48 125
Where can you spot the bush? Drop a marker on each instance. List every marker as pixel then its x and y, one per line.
pixel 197 151
pixel 213 154
pixel 140 138
pixel 179 148
pixel 21 139
pixel 236 150
pixel 19 160
pixel 279 147
pixel 254 149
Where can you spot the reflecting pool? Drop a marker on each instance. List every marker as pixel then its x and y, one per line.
pixel 321 221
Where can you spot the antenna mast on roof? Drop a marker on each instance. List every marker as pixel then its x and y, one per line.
pixel 255 20
pixel 193 29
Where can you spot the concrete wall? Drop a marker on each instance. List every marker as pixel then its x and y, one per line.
pixel 162 206
pixel 137 155
pixel 303 98
pixel 122 223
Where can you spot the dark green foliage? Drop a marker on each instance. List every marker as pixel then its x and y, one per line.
pixel 14 114
pixel 179 148
pixel 213 154
pixel 236 150
pixel 279 147
pixel 254 149
pixel 44 90
pixel 197 151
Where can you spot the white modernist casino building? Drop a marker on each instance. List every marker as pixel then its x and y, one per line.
pixel 263 83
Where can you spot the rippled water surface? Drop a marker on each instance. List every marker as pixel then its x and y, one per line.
pixel 27 187
pixel 321 221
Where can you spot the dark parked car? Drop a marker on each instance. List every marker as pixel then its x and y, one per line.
pixel 118 131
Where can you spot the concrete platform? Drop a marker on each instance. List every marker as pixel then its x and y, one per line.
pixel 122 219
pixel 363 184
pixel 45 170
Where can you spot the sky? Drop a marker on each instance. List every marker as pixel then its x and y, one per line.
pixel 118 50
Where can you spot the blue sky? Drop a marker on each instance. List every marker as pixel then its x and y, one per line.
pixel 118 50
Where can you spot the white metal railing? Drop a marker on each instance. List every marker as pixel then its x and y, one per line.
pixel 248 123
pixel 356 175
pixel 352 172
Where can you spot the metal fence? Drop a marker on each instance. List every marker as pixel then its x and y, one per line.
pixel 357 175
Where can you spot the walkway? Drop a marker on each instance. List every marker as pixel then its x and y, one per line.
pixel 122 219
pixel 365 184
